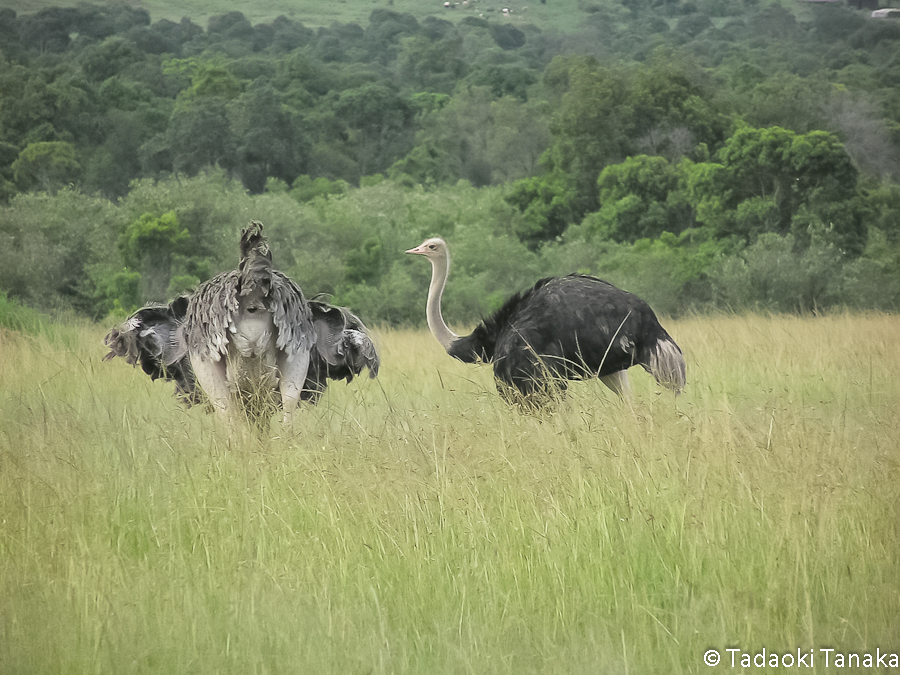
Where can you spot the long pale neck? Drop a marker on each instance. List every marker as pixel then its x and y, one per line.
pixel 440 268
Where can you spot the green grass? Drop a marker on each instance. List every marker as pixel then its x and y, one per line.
pixel 416 524
pixel 314 13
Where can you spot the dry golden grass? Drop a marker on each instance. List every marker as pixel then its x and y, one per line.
pixel 416 524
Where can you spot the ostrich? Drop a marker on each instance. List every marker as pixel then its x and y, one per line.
pixel 563 328
pixel 245 335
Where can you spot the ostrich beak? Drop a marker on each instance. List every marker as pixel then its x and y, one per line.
pixel 417 249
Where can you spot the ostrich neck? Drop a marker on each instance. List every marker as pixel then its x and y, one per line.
pixel 440 268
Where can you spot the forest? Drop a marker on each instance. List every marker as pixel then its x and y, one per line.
pixel 707 155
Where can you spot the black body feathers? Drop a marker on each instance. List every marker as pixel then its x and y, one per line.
pixel 571 327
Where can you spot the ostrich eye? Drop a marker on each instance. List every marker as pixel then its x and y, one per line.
pixel 432 247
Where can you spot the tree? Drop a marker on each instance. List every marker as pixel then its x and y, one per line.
pixel 590 126
pixel 105 59
pixel 379 120
pixel 431 65
pixel 518 137
pixel 546 206
pixel 206 79
pixel 269 141
pixel 199 136
pixel 773 180
pixel 45 166
pixel 639 198
pixel 230 26
pixel 504 79
pixel 366 263
pixel 385 31
pixel 49 29
pixel 47 104
pixel 150 245
pixel 784 100
pixel 607 114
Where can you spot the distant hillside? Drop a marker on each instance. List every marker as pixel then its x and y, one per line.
pixel 560 15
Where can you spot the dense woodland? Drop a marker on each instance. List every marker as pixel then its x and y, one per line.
pixel 717 154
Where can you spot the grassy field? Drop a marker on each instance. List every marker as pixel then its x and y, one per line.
pixel 416 524
pixel 556 15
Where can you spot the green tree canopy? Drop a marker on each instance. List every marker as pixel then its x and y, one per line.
pixel 46 166
pixel 150 245
pixel 640 198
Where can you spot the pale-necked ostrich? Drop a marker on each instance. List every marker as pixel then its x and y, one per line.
pixel 245 335
pixel 563 328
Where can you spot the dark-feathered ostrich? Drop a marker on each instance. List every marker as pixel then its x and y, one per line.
pixel 563 328
pixel 247 336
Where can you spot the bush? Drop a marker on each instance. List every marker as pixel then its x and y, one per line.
pixel 769 275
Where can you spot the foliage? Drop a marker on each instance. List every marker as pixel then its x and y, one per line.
pixel 768 274
pixel 45 166
pixel 49 244
pixel 546 206
pixel 149 245
pixel 685 150
pixel 773 180
pixel 350 245
pixel 640 198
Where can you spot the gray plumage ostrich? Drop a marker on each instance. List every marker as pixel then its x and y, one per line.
pixel 563 328
pixel 247 336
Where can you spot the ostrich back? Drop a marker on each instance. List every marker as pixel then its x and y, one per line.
pixel 565 327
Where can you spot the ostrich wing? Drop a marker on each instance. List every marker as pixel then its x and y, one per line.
pixel 343 341
pixel 210 315
pixel 292 316
pixel 153 337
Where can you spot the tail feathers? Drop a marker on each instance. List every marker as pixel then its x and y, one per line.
pixel 256 261
pixel 253 241
pixel 666 364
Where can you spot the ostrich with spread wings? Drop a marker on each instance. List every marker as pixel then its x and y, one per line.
pixel 248 337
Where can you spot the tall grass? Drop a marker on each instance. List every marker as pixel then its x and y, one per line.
pixel 416 524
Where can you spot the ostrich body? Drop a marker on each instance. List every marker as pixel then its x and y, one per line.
pixel 250 330
pixel 247 336
pixel 563 328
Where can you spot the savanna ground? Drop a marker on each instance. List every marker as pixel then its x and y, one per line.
pixel 317 13
pixel 416 524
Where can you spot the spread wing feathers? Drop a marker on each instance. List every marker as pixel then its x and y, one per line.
pixel 292 316
pixel 343 348
pixel 162 338
pixel 153 337
pixel 210 315
pixel 343 342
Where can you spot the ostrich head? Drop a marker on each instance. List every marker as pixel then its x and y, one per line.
pixel 256 264
pixel 435 249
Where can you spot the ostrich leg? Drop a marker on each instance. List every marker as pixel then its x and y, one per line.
pixel 618 383
pixel 213 379
pixel 293 374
